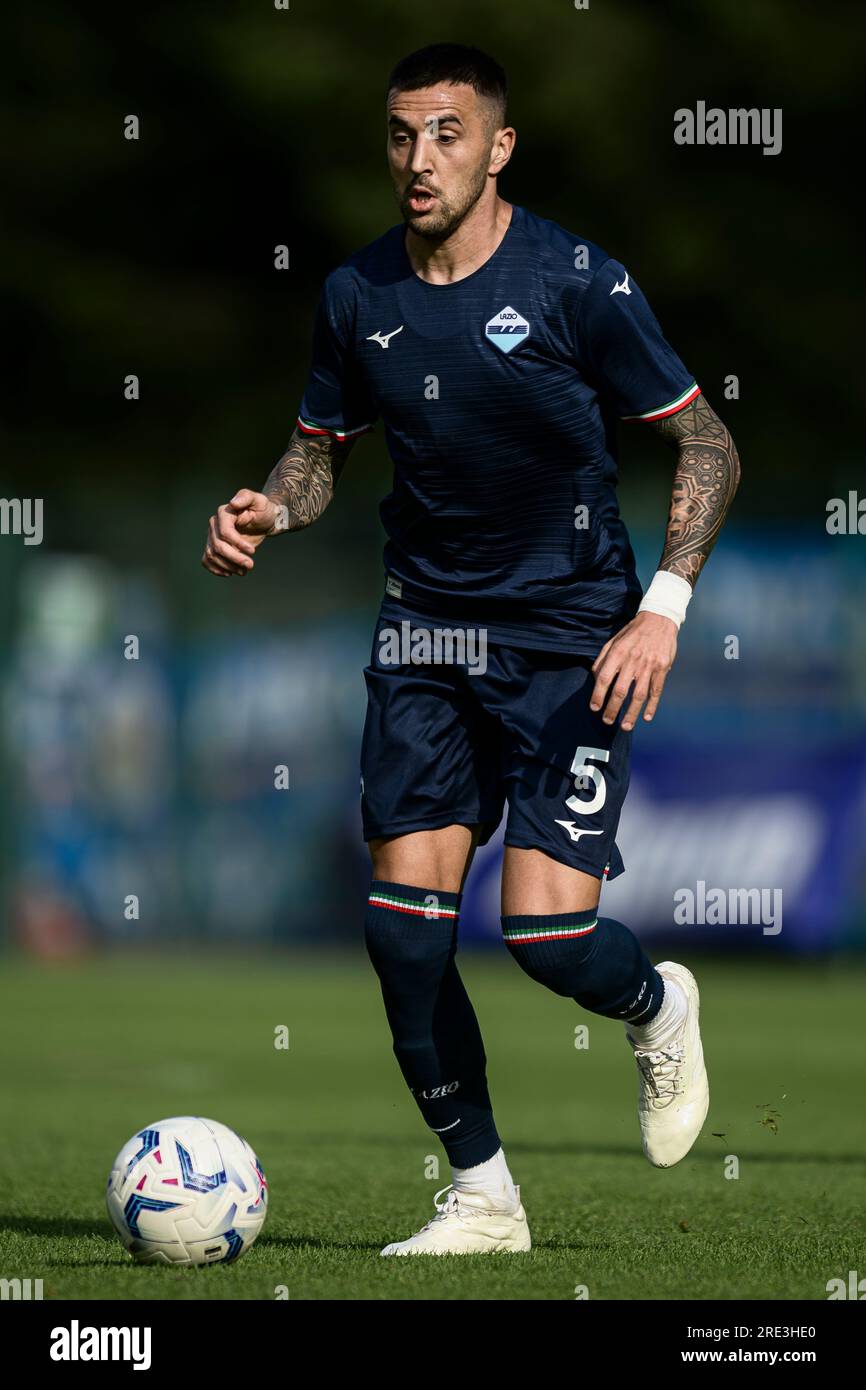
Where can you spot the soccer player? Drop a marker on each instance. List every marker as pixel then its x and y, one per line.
pixel 499 351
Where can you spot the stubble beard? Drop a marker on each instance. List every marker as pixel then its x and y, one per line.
pixel 443 223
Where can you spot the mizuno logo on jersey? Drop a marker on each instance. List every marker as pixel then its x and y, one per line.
pixel 624 288
pixel 383 339
pixel 507 329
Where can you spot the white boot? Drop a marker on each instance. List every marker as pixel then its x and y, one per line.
pixel 467 1223
pixel 673 1092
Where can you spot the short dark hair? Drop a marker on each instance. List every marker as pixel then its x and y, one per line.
pixel 452 63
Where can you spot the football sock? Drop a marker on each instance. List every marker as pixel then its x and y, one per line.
pixel 411 936
pixel 670 1017
pixel 492 1179
pixel 594 960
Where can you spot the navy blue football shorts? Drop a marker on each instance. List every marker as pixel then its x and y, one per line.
pixel 451 744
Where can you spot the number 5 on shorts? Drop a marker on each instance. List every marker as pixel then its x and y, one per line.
pixel 582 770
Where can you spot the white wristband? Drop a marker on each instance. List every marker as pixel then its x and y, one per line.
pixel 281 523
pixel 667 595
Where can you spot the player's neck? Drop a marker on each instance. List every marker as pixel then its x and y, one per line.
pixel 473 243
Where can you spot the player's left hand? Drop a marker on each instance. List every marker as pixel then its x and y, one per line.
pixel 639 656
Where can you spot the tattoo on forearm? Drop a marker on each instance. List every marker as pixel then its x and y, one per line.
pixel 706 478
pixel 306 476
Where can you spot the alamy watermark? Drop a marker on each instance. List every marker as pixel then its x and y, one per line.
pixel 846 516
pixel 77 1343
pixel 438 646
pixel 854 1288
pixel 21 1289
pixel 720 907
pixel 22 516
pixel 736 126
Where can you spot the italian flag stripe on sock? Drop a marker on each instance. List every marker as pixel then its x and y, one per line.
pixel 549 933
pixel 418 906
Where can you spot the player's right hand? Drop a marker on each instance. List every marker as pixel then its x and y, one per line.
pixel 236 532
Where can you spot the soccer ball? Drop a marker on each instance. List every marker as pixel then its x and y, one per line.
pixel 187 1191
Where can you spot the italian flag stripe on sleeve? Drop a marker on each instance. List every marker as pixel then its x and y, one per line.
pixel 672 406
pixel 309 427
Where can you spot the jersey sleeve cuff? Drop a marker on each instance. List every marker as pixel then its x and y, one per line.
pixel 310 427
pixel 671 408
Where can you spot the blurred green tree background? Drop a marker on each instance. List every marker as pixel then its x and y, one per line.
pixel 262 126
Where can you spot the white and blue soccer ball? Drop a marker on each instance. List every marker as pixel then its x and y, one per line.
pixel 187 1191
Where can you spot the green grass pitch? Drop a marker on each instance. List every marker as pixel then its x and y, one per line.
pixel 94 1051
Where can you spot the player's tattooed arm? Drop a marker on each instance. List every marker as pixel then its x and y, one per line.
pixel 631 669
pixel 706 478
pixel 306 476
pixel 295 495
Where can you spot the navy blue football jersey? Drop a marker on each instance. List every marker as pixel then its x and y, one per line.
pixel 499 396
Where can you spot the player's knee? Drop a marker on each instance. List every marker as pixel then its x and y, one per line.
pixel 560 952
pixel 560 974
pixel 599 970
pixel 412 961
pixel 436 857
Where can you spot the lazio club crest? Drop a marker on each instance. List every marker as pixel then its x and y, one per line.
pixel 507 329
